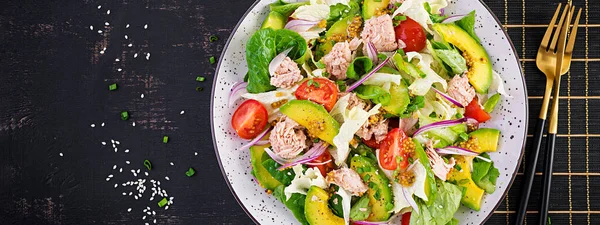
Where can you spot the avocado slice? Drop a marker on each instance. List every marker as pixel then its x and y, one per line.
pixel 380 190
pixel 373 7
pixel 314 117
pixel 399 93
pixel 274 20
pixel 338 28
pixel 472 194
pixel 480 71
pixel 264 178
pixel 317 210
pixel 487 139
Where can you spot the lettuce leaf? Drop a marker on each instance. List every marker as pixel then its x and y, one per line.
pixel 442 210
pixel 284 176
pixel 467 23
pixel 361 209
pixel 286 9
pixel 262 47
pixel 485 174
pixel 359 67
pixel 304 180
pixel 380 79
pixel 415 9
pixel 312 12
pixel 376 94
pixel 295 203
pixel 422 85
pixel 342 10
pixel 453 59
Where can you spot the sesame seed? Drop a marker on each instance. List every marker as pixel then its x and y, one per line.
pixel 136 197
pixel 148 56
pixel 127 26
pixel 154 213
pixel 133 124
pixel 102 124
pixel 151 198
pixel 172 164
pixel 129 45
pixel 99 6
pixel 130 193
pixel 135 55
pixel 91 27
pixel 129 210
pixel 127 150
pixel 99 31
pixel 110 175
pixel 138 171
pixel 127 162
pixel 182 112
pixel 166 178
pixel 102 52
pixel 195 153
pixel 143 218
pixel 116 185
pixel 60 154
pixel 154 219
pixel 124 193
pixel 117 142
pixel 145 26
pixel 142 95
pixel 103 143
pixel 149 213
pixel 108 12
pixel 166 207
pixel 106 23
pixel 120 170
pixel 114 167
pixel 119 69
pixel 126 37
pixel 146 173
pixel 93 125
pixel 116 149
pixel 117 59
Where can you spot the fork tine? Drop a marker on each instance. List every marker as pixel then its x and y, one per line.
pixel 546 39
pixel 573 34
pixel 558 28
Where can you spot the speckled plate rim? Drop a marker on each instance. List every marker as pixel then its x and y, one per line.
pixel 235 29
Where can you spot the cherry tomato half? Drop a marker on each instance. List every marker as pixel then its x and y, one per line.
pixel 390 148
pixel 475 111
pixel 406 218
pixel 250 119
pixel 324 168
pixel 318 90
pixel 412 34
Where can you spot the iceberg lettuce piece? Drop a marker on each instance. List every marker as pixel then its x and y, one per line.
pixel 268 98
pixel 304 180
pixel 422 85
pixel 380 79
pixel 312 12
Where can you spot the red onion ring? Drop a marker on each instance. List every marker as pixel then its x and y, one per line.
pixel 453 150
pixel 453 18
pixel 412 165
pixel 371 51
pixel 310 155
pixel 275 157
pixel 317 164
pixel 411 201
pixel 447 97
pixel 300 25
pixel 237 90
pixel 364 78
pixel 441 124
pixel 257 139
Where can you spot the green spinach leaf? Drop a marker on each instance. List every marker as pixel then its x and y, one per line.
pixel 359 67
pixel 285 39
pixel 467 23
pixel 453 59
pixel 295 203
pixel 376 94
pixel 340 11
pixel 485 174
pixel 284 176
pixel 286 9
pixel 436 18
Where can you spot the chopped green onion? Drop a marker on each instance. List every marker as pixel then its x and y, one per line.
pixel 199 88
pixel 148 164
pixel 163 202
pixel 200 78
pixel 213 38
pixel 112 87
pixel 367 177
pixel 165 139
pixel 411 160
pixel 190 172
pixel 124 115
pixel 463 136
pixel 458 167
pixel 212 60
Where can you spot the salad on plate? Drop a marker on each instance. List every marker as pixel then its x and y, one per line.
pixel 369 111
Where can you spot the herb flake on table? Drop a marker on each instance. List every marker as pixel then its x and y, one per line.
pixel 190 172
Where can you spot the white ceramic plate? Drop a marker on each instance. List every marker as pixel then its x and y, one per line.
pixel 510 116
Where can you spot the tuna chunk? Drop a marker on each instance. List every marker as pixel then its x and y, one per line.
pixel 355 101
pixel 438 165
pixel 287 139
pixel 348 180
pixel 460 89
pixel 287 74
pixel 374 128
pixel 380 32
pixel 337 61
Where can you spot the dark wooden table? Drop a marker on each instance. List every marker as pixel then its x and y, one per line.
pixel 54 78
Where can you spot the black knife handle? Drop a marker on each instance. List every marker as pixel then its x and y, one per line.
pixel 547 179
pixel 532 158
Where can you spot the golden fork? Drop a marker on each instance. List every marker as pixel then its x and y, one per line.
pixel 564 56
pixel 546 61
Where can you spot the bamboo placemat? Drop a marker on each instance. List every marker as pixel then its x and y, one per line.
pixel 575 197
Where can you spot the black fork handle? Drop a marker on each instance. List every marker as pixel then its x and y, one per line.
pixel 547 179
pixel 532 158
